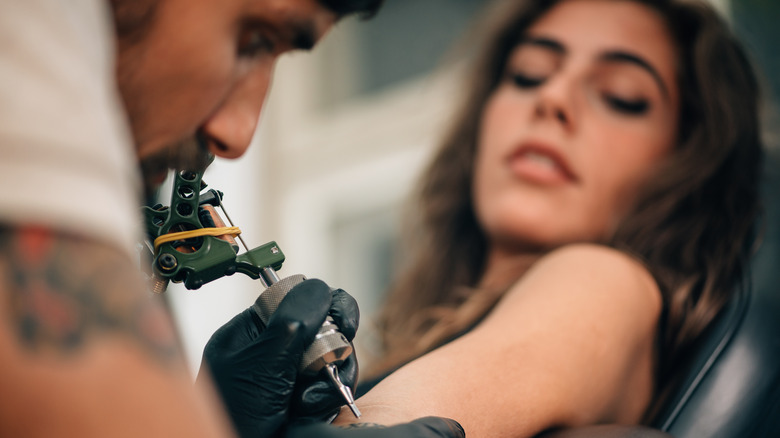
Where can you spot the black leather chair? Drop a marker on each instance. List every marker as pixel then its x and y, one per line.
pixel 732 389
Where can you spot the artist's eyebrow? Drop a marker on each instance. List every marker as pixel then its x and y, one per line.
pixel 617 56
pixel 297 32
pixel 304 35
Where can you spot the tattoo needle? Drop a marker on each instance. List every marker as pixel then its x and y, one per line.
pixel 344 389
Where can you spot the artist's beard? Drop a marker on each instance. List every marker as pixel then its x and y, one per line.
pixel 190 154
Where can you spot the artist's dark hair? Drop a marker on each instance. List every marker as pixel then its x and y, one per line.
pixel 364 8
pixel 133 17
pixel 692 225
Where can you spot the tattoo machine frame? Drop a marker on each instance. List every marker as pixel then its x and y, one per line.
pixel 192 246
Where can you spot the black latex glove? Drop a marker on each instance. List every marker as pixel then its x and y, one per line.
pixel 255 368
pixel 315 397
pixel 428 427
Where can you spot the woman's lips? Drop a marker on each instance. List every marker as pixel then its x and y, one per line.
pixel 541 164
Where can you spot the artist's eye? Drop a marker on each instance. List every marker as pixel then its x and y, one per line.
pixel 632 107
pixel 253 42
pixel 524 81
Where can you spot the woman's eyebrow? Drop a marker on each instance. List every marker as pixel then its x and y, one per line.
pixel 544 42
pixel 617 56
pixel 611 56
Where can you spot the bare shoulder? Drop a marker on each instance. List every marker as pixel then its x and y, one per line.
pixel 593 311
pixel 597 259
pixel 588 291
pixel 594 276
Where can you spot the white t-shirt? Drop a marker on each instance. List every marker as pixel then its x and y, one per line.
pixel 66 159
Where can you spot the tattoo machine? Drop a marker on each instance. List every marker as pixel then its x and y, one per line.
pixel 192 245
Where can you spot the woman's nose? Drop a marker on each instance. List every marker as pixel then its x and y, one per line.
pixel 555 101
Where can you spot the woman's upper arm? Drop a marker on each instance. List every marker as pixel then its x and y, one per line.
pixel 571 343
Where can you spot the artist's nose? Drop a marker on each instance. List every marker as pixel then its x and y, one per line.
pixel 230 129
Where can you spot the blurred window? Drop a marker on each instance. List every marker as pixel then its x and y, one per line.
pixel 408 38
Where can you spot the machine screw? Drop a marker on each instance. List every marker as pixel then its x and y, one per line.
pixel 167 262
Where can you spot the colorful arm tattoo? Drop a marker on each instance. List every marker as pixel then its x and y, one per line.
pixel 62 291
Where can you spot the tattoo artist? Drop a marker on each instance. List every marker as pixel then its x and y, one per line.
pixel 98 100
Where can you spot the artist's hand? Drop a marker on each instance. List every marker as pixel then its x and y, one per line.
pixel 428 427
pixel 315 397
pixel 255 368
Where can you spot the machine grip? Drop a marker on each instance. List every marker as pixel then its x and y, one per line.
pixel 329 346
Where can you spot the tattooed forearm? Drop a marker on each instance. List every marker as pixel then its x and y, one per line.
pixel 61 291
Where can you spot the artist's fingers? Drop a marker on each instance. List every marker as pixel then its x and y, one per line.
pixel 298 318
pixel 345 312
pixel 315 399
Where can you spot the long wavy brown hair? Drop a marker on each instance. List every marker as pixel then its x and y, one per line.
pixel 692 224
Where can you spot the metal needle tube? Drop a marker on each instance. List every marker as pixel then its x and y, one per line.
pixel 345 391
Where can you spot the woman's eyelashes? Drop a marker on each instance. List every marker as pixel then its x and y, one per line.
pixel 631 107
pixel 626 106
pixel 525 81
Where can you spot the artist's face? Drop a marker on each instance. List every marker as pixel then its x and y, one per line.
pixel 588 107
pixel 203 67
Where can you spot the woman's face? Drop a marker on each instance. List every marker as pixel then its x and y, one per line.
pixel 588 106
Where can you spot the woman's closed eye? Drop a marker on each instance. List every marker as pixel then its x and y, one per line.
pixel 631 107
pixel 526 81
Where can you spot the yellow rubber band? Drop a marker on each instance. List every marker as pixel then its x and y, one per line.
pixel 182 235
